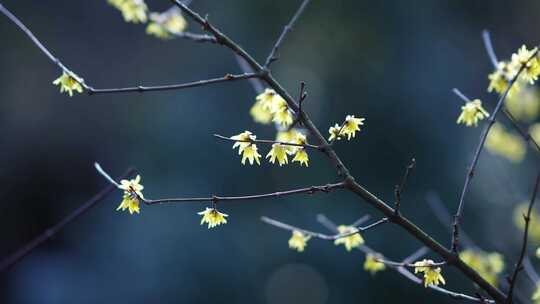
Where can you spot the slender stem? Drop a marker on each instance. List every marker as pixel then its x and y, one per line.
pixel 405 264
pixel 399 187
pixel 309 190
pixel 322 236
pixel 527 219
pixel 489 48
pixel 142 89
pixel 52 231
pixel 479 148
pixel 273 54
pixel 264 141
pixel 195 37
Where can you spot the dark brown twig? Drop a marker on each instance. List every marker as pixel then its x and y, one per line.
pixel 49 233
pixel 527 219
pixel 398 189
pixel 273 54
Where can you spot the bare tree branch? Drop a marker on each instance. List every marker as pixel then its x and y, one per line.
pixel 527 219
pixel 52 231
pixel 399 187
pixel 273 54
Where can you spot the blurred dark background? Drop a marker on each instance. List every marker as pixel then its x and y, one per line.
pixel 393 62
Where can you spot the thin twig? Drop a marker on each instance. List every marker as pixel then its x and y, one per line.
pixel 301 97
pixel 399 187
pixel 410 265
pixel 264 141
pixel 273 54
pixel 142 89
pixel 489 48
pixel 527 219
pixel 513 121
pixel 215 199
pixel 322 236
pixel 195 37
pixel 49 233
pixel 479 148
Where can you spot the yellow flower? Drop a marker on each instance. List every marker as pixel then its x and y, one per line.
pixel 536 295
pixel 525 104
pixel 351 125
pixel 372 265
pixel 278 152
pixel 526 58
pixel 132 194
pixel 68 84
pixel 334 133
pixel 270 100
pixel 300 154
pixel 351 241
pixel 500 79
pixel 505 144
pixel 212 217
pixel 283 116
pixel 298 241
pixel 250 153
pixel 243 140
pixel 432 274
pixel 488 265
pixel 166 24
pixel 260 114
pixel 132 10
pixel 289 137
pixel 471 113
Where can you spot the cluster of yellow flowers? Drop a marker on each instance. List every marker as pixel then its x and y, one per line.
pixel 349 128
pixel 68 84
pixel 162 25
pixel 506 70
pixel 432 273
pixel 471 113
pixel 279 152
pixel 132 10
pixel 132 194
pixel 270 106
pixel 488 265
pixel 506 144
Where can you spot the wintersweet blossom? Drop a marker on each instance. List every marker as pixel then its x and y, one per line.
pixel 278 152
pixel 351 125
pixel 372 264
pixel 527 59
pixel 334 132
pixel 300 154
pixel 298 241
pixel 132 10
pixel 289 136
pixel 246 148
pixel 499 80
pixel 525 104
pixel 212 217
pixel 68 84
pixel 350 241
pixel 283 116
pixel 165 25
pixel 471 113
pixel 132 194
pixel 260 114
pixel 270 100
pixel 432 274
